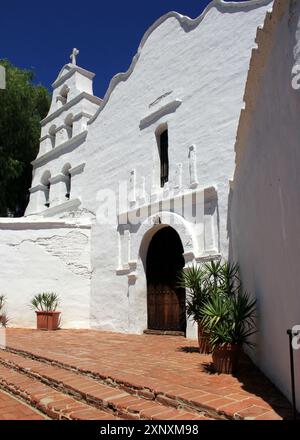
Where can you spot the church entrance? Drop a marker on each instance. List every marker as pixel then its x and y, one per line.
pixel 165 300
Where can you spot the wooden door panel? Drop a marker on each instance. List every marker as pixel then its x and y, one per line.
pixel 165 308
pixel 166 302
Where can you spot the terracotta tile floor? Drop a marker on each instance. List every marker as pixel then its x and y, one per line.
pixel 13 409
pixel 165 364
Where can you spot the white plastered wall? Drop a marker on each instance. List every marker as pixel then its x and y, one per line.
pixel 265 209
pixel 45 256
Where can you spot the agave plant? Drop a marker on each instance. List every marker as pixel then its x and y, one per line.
pixel 222 277
pixel 45 302
pixel 194 280
pixel 229 319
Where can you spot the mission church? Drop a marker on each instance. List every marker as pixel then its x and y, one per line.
pixel 198 141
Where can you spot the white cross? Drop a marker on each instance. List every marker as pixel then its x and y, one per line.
pixel 73 55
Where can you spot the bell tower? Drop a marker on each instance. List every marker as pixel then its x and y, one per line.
pixel 63 131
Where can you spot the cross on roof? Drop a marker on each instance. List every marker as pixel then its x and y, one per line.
pixel 73 55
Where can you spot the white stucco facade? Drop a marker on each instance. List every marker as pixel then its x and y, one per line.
pixel 226 88
pixel 265 201
pixel 46 255
pixel 188 76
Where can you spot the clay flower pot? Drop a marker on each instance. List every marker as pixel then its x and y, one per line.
pixel 226 358
pixel 47 320
pixel 203 340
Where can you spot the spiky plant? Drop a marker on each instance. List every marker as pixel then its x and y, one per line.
pixel 45 302
pixel 222 277
pixel 229 319
pixel 194 280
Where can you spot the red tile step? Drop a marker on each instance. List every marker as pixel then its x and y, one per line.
pixel 54 404
pixel 64 385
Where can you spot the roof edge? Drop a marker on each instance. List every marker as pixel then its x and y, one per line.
pixel 186 23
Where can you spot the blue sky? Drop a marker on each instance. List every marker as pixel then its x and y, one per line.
pixel 41 34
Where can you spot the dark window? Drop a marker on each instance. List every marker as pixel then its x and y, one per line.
pixel 164 157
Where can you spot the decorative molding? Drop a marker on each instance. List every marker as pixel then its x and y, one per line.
pixel 73 142
pixel 58 178
pixel 171 107
pixel 132 277
pixel 77 117
pixel 193 166
pixel 77 170
pixel 132 188
pixel 210 257
pixel 210 194
pixel 129 270
pixel 81 115
pixel 188 24
pixel 190 257
pixel 34 221
pixel 132 265
pixel 47 136
pixel 123 271
pixel 71 68
pixel 70 104
pixel 70 205
pixel 39 187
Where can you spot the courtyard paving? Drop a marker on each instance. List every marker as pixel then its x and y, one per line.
pixel 83 374
pixel 13 409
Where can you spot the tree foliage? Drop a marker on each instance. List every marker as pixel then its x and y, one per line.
pixel 22 106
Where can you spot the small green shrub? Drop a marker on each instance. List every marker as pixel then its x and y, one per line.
pixel 45 302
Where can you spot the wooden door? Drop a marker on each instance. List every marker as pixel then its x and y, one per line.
pixel 166 302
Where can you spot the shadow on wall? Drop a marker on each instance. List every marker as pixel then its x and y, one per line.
pixel 264 204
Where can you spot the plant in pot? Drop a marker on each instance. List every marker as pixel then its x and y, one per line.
pixel 230 321
pixel 194 279
pixel 45 305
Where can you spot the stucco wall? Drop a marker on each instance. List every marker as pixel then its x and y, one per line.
pixel 45 256
pixel 190 75
pixel 265 207
pixel 211 90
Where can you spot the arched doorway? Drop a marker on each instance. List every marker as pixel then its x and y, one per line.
pixel 165 300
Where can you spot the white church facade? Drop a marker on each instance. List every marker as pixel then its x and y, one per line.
pixel 162 173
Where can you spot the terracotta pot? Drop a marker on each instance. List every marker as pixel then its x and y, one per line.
pixel 47 320
pixel 203 340
pixel 226 358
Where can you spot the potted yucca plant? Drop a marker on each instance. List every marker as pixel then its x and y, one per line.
pixel 45 305
pixel 194 280
pixel 229 320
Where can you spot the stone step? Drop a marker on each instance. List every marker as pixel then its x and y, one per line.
pixel 183 397
pixel 96 393
pixel 54 404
